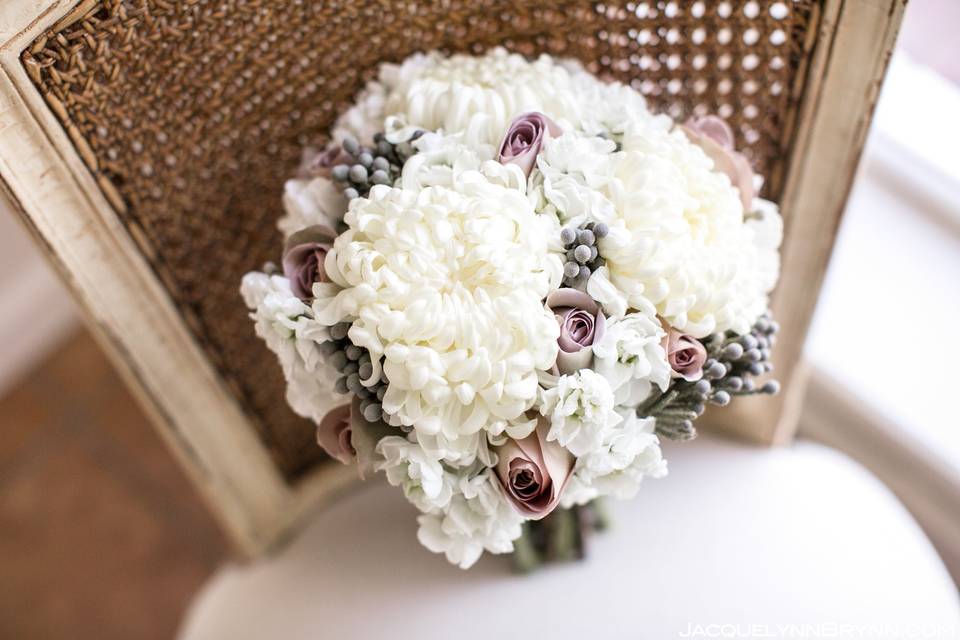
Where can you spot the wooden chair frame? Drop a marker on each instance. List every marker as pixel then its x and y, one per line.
pixel 71 215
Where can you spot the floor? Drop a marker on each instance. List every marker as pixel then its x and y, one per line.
pixel 101 535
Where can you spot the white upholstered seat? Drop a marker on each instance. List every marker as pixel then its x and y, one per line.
pixel 741 538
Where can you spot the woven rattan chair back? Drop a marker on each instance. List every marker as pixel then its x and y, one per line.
pixel 167 129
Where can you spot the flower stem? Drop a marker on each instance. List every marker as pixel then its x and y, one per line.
pixel 526 558
pixel 563 541
pixel 659 404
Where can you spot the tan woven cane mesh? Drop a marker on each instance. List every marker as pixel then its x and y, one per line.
pixel 191 113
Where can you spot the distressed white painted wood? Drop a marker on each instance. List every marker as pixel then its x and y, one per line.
pixel 846 70
pixel 130 312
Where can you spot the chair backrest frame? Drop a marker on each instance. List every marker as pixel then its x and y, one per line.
pixel 73 217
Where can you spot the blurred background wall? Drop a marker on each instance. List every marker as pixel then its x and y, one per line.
pixel 37 313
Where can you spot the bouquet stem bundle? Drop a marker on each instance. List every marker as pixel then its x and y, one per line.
pixel 560 537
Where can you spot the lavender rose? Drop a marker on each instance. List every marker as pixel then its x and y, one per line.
pixel 533 472
pixel 581 324
pixel 334 434
pixel 714 136
pixel 685 354
pixel 303 259
pixel 524 138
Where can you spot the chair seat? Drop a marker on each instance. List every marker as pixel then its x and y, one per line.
pixel 736 536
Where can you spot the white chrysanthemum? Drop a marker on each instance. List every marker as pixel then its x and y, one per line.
pixel 287 325
pixel 629 453
pixel 678 245
pixel 767 227
pixel 424 481
pixel 477 518
pixel 687 249
pixel 447 285
pixel 308 202
pixel 485 93
pixel 632 359
pixel 581 411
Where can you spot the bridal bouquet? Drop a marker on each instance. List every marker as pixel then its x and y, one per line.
pixel 505 279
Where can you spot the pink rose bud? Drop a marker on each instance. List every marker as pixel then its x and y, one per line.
pixel 533 472
pixel 581 324
pixel 715 137
pixel 334 434
pixel 303 258
pixel 685 354
pixel 524 138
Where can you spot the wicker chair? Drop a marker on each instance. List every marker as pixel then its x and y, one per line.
pixel 144 143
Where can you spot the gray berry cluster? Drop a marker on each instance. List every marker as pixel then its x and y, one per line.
pixel 733 363
pixel 743 358
pixel 370 166
pixel 354 365
pixel 583 256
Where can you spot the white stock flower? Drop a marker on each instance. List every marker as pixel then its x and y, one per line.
pixel 477 518
pixel 424 481
pixel 287 326
pixel 631 358
pixel 581 411
pixel 576 170
pixel 452 161
pixel 629 453
pixel 447 285
pixel 612 300
pixel 310 201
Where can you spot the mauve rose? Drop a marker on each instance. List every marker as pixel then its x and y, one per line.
pixel 303 258
pixel 523 140
pixel 715 137
pixel 581 324
pixel 533 472
pixel 334 434
pixel 685 354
